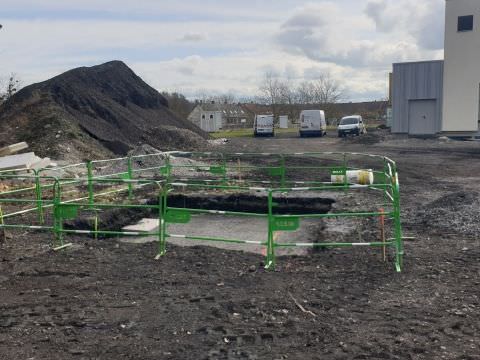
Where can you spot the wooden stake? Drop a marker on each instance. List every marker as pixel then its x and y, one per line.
pixel 62 247
pixel 301 307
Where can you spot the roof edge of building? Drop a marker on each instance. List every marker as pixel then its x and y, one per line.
pixel 418 62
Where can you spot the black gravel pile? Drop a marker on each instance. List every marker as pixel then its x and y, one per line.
pixel 93 112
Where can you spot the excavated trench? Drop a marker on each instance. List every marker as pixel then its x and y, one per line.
pixel 253 203
pixel 116 218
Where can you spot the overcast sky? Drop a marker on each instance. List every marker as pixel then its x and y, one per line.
pixel 222 45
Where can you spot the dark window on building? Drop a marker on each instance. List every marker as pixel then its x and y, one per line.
pixel 211 116
pixel 203 116
pixel 465 23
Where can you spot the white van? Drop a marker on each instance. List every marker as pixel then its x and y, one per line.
pixel 312 123
pixel 263 125
pixel 351 125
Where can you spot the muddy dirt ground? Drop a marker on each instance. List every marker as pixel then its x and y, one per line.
pixel 107 299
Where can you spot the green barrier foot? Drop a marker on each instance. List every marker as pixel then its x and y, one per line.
pixel 270 266
pixel 398 267
pixel 399 262
pixel 160 254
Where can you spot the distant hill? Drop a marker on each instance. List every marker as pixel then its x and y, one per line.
pixel 94 112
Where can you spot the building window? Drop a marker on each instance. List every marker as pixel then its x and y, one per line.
pixel 211 116
pixel 465 23
pixel 203 116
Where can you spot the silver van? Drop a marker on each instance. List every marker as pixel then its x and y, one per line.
pixel 351 125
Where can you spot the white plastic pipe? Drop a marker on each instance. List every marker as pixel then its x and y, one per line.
pixel 361 177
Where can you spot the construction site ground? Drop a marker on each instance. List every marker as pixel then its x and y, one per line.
pixel 110 299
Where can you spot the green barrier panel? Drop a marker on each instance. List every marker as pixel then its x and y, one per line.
pixel 276 171
pixel 251 180
pixel 217 170
pixel 177 216
pixel 164 170
pixel 338 171
pixel 66 211
pixel 290 223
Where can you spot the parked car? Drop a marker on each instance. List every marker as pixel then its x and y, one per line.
pixel 312 123
pixel 351 125
pixel 263 125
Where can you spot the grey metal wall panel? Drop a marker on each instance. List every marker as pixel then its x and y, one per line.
pixel 416 81
pixel 422 117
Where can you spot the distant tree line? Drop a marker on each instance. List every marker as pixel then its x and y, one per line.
pixel 179 104
pixel 205 96
pixel 284 96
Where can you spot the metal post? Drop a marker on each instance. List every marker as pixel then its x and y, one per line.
pixel 161 222
pixel 398 225
pixel 345 179
pixel 169 167
pixel 2 222
pixel 95 225
pixel 239 170
pixel 224 169
pixel 384 181
pixel 90 183
pixel 38 195
pixel 129 172
pixel 58 221
pixel 270 260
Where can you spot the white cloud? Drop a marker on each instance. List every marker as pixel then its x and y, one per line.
pixel 424 20
pixel 188 65
pixel 348 40
pixel 223 45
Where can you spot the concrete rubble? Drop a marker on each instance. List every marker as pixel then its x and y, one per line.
pixel 9 160
pixel 12 149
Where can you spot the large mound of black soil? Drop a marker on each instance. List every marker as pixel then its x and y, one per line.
pixel 93 112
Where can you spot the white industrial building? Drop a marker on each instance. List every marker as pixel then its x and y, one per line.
pixel 417 96
pixel 443 97
pixel 461 84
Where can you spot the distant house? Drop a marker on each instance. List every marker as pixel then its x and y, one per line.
pixel 257 109
pixel 214 116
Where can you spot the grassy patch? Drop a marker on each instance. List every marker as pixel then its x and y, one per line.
pixel 246 133
pixel 235 133
pixel 232 133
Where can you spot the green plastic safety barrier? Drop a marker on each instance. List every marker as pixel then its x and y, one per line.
pixel 229 173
